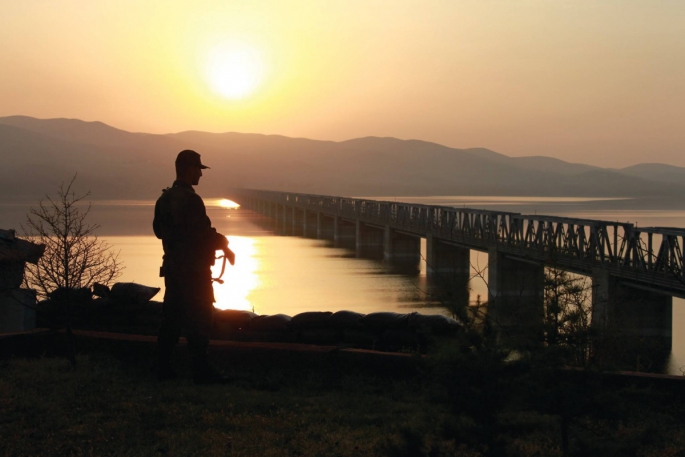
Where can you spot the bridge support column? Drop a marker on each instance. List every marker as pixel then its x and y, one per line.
pixel 449 268
pixel 325 227
pixel 298 221
pixel 635 325
pixel 344 233
pixel 401 249
pixel 274 220
pixel 446 260
pixel 369 241
pixel 269 214
pixel 287 220
pixel 515 298
pixel 310 227
pixel 277 216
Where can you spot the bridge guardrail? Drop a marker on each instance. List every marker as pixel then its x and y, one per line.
pixel 650 255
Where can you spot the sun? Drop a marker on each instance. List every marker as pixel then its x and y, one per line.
pixel 234 70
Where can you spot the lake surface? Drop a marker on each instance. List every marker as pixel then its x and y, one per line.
pixel 278 274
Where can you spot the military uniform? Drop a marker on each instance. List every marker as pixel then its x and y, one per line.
pixel 190 244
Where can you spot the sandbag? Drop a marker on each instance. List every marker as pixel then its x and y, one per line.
pixel 319 336
pixel 361 337
pixel 132 292
pixel 385 320
pixel 399 340
pixel 71 295
pixel 100 290
pixel 433 323
pixel 311 320
pixel 234 318
pixel 275 323
pixel 346 319
pixel 222 330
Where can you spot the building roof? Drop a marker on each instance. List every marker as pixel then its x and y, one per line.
pixel 13 249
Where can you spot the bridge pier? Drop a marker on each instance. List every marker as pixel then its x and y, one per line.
pixel 325 227
pixel 298 221
pixel 287 220
pixel 310 224
pixel 446 260
pixel 515 297
pixel 635 325
pixel 369 240
pixel 272 215
pixel 278 217
pixel 449 268
pixel 344 233
pixel 400 248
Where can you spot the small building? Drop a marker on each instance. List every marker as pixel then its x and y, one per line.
pixel 17 305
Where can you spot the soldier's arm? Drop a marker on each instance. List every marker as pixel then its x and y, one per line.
pixel 201 225
pixel 157 222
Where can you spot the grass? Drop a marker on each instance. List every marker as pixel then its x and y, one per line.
pixel 107 407
pixel 104 408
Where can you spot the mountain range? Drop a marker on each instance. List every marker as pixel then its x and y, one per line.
pixel 39 154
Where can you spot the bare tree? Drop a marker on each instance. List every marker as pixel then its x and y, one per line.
pixel 568 313
pixel 74 255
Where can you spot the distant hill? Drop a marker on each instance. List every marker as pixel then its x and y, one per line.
pixel 38 154
pixel 657 172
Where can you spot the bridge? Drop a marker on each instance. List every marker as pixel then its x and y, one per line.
pixel 640 268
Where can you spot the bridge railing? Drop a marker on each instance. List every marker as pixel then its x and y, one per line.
pixel 655 252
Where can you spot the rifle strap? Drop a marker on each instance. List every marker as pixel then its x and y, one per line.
pixel 223 268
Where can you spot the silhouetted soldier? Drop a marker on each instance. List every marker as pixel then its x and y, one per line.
pixel 190 244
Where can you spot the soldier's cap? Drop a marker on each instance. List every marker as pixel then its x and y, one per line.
pixel 188 158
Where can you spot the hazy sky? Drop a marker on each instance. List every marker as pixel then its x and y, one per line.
pixel 594 81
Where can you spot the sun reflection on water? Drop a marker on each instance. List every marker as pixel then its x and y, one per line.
pixel 239 279
pixel 223 203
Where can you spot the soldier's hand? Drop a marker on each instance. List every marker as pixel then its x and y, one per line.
pixel 230 255
pixel 223 241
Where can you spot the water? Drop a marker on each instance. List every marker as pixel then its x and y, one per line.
pixel 288 275
pixel 276 274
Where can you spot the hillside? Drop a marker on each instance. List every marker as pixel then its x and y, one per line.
pixel 115 164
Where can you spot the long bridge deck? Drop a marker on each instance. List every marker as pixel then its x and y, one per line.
pixel 649 257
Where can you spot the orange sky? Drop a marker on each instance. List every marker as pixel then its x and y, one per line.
pixel 593 81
